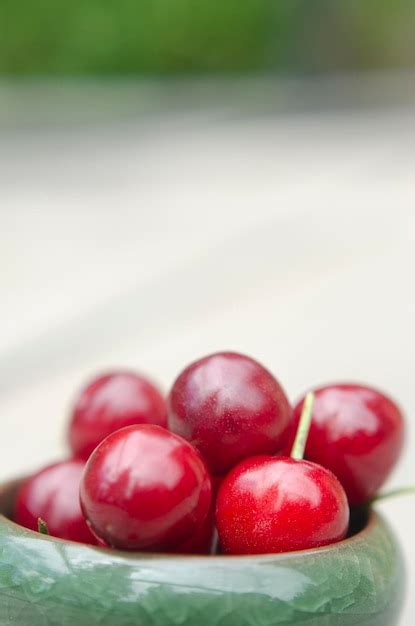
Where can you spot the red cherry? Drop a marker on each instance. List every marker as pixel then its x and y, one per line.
pixel 229 407
pixel 278 504
pixel 356 432
pixel 145 489
pixel 109 403
pixel 53 495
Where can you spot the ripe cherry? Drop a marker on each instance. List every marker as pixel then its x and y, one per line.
pixel 357 432
pixel 145 489
pixel 278 504
pixel 109 403
pixel 52 494
pixel 229 407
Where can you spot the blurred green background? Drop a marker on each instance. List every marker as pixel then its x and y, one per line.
pixel 129 37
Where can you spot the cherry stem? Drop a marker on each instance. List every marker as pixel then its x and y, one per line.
pixel 42 527
pixel 400 491
pixel 297 451
pixel 215 543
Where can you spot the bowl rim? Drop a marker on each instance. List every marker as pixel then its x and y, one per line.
pixel 373 519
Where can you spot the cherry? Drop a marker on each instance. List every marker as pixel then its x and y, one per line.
pixel 229 407
pixel 145 488
pixel 278 504
pixel 357 432
pixel 109 403
pixel 52 494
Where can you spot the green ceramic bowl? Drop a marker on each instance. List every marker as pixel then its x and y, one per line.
pixel 50 582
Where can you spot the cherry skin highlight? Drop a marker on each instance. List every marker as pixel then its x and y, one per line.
pixel 110 402
pixel 229 407
pixel 357 432
pixel 53 495
pixel 144 488
pixel 279 504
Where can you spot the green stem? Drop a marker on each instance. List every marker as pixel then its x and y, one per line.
pixel 215 543
pixel 42 527
pixel 399 491
pixel 297 451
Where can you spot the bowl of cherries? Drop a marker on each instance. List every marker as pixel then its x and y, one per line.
pixel 221 505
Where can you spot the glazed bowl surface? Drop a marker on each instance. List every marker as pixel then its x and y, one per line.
pixel 47 581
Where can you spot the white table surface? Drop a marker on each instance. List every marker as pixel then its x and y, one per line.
pixel 151 242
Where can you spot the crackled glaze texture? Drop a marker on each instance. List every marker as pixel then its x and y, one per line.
pixel 46 581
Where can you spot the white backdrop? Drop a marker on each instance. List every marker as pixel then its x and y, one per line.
pixel 289 237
